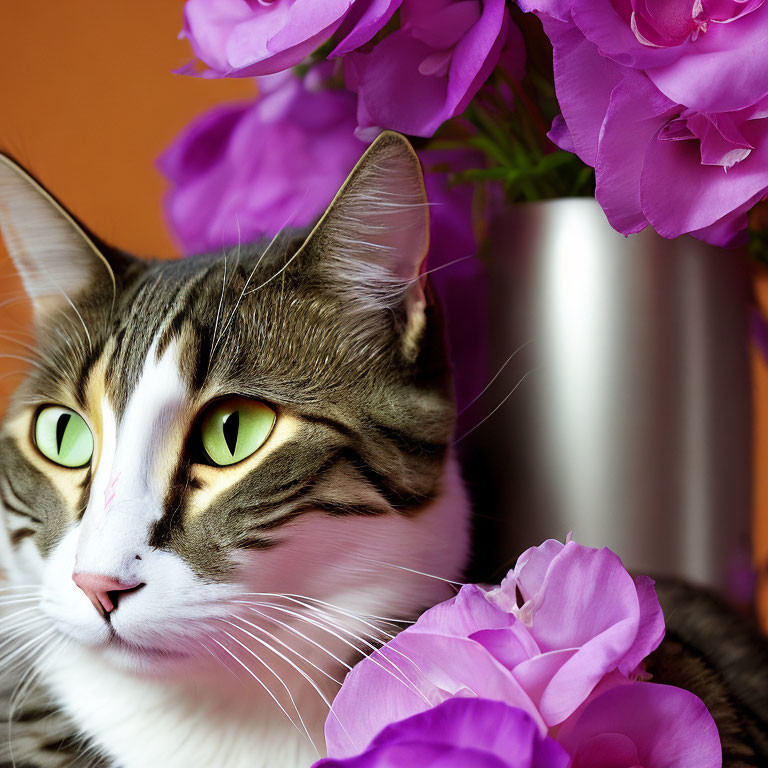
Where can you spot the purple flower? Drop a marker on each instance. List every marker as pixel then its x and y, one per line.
pixel 706 54
pixel 657 162
pixel 587 617
pixel 643 725
pixel 555 650
pixel 428 70
pixel 244 38
pixel 460 733
pixel 241 172
pixel 583 621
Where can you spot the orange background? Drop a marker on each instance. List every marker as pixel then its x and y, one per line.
pixel 88 101
pixel 760 400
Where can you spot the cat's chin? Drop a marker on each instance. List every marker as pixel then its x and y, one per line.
pixel 141 659
pixel 145 662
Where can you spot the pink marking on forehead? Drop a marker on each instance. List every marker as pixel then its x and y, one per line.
pixel 110 491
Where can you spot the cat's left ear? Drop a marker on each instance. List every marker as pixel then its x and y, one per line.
pixel 54 256
pixel 373 239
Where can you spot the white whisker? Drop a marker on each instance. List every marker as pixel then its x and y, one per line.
pixel 482 421
pixel 356 636
pixel 418 573
pixel 297 632
pixel 272 695
pixel 295 666
pixel 33 599
pixel 5 660
pixel 245 286
pixel 286 645
pixel 496 376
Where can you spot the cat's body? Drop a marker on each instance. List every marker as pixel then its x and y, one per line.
pixel 190 587
pixel 162 607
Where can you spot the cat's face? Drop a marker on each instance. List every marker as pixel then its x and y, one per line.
pixel 202 436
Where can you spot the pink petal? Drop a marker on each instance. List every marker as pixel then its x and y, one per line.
pixel 535 674
pixel 651 629
pixel 584 80
pixel 360 26
pixel 476 55
pixel 468 612
pixel 412 673
pixel 680 195
pixel 608 750
pixel 511 646
pixel 725 69
pixel 392 93
pixel 636 111
pixel 612 34
pixel 668 726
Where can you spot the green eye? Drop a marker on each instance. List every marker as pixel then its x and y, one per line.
pixel 234 429
pixel 62 436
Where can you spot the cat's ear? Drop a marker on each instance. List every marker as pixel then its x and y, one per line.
pixel 53 254
pixel 374 236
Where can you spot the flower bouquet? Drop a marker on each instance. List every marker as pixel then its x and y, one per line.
pixel 667 100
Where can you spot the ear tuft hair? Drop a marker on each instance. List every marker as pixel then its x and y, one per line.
pixel 375 234
pixel 54 256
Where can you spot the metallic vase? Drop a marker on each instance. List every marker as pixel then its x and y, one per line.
pixel 629 423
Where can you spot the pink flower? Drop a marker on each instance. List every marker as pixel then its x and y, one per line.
pixel 583 622
pixel 558 646
pixel 706 54
pixel 643 725
pixel 428 70
pixel 657 162
pixel 587 616
pixel 243 38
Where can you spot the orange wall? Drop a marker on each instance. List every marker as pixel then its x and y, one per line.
pixel 760 401
pixel 87 102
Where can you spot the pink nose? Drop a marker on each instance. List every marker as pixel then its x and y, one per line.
pixel 102 591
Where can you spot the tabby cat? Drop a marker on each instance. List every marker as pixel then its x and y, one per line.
pixel 225 479
pixel 220 479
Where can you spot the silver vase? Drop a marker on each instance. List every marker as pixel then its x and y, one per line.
pixel 630 421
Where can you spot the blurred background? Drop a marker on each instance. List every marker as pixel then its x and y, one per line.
pixel 643 423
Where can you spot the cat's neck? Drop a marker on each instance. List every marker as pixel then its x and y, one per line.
pixel 211 719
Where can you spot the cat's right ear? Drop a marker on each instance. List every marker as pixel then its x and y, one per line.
pixel 52 253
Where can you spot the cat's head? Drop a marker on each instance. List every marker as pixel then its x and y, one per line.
pixel 200 436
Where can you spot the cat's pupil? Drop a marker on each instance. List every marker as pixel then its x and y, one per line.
pixel 231 428
pixel 61 428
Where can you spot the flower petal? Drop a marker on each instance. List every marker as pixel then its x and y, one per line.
pixel 667 725
pixel 636 112
pixel 725 69
pixel 583 80
pixel 411 674
pixel 680 195
pixel 362 23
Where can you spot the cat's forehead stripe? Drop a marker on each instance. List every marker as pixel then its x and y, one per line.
pixel 153 317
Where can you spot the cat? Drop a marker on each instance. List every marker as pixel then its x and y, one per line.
pixel 226 478
pixel 221 480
